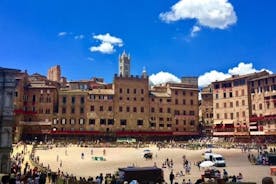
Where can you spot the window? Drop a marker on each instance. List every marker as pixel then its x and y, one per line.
pixel 192 113
pixel 91 121
pixel 243 113
pixel 101 108
pixel 134 99
pixel 184 102
pixel 152 109
pixel 142 91
pixel 63 121
pixel 64 99
pixel 260 106
pixel 33 98
pixel 217 116
pixel 55 121
pixel 184 93
pixel 230 95
pixel 142 99
pixel 120 90
pixel 243 102
pixel 110 108
pixel 253 107
pixel 231 104
pixel 175 92
pixel 231 115
pixel 224 95
pixel 72 121
pixel 184 122
pixel 120 109
pixel 127 91
pixel 192 102
pixel 217 105
pixel 224 104
pixel 81 110
pixel 127 109
pixel 192 122
pixel 242 92
pixel 123 122
pixel 134 109
pixel 237 103
pixel 184 112
pixel 191 94
pixel 92 108
pixel 134 91
pixel 217 96
pixel 102 122
pixel 120 98
pixel 72 110
pixel 73 99
pixel 236 93
pixel 237 114
pixel 169 125
pixel 110 121
pixel 142 109
pixel 48 111
pixel 63 110
pixel 176 121
pixel 82 100
pixel 160 110
pixel 225 115
pixel 160 100
pixel 176 101
pixel 139 122
pixel 169 100
pixel 81 121
pixel 169 110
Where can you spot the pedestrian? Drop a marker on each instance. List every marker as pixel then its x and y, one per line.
pixel 171 177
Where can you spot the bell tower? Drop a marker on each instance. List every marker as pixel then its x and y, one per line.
pixel 124 65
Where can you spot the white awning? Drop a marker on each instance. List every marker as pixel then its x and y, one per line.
pixel 217 122
pixel 252 127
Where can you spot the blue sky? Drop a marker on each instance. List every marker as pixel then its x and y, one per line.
pixel 158 34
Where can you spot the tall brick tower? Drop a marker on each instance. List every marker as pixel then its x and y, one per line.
pixel 124 65
pixel 54 73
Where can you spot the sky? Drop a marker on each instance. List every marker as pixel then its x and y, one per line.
pixel 210 39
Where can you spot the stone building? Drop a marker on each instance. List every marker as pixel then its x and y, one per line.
pixel 263 99
pixel 7 91
pixel 232 104
pixel 206 109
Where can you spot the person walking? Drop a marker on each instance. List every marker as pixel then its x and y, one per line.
pixel 171 177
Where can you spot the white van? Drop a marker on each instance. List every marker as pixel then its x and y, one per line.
pixel 218 159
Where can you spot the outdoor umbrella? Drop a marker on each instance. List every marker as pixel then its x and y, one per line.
pixel 205 164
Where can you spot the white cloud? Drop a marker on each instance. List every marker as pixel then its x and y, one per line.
pixel 218 14
pixel 195 30
pixel 79 37
pixel 209 77
pixel 62 33
pixel 105 48
pixel 242 69
pixel 107 43
pixel 108 38
pixel 163 77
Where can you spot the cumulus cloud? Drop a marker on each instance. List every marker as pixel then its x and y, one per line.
pixel 79 37
pixel 107 43
pixel 62 33
pixel 218 14
pixel 242 69
pixel 163 77
pixel 194 31
pixel 105 48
